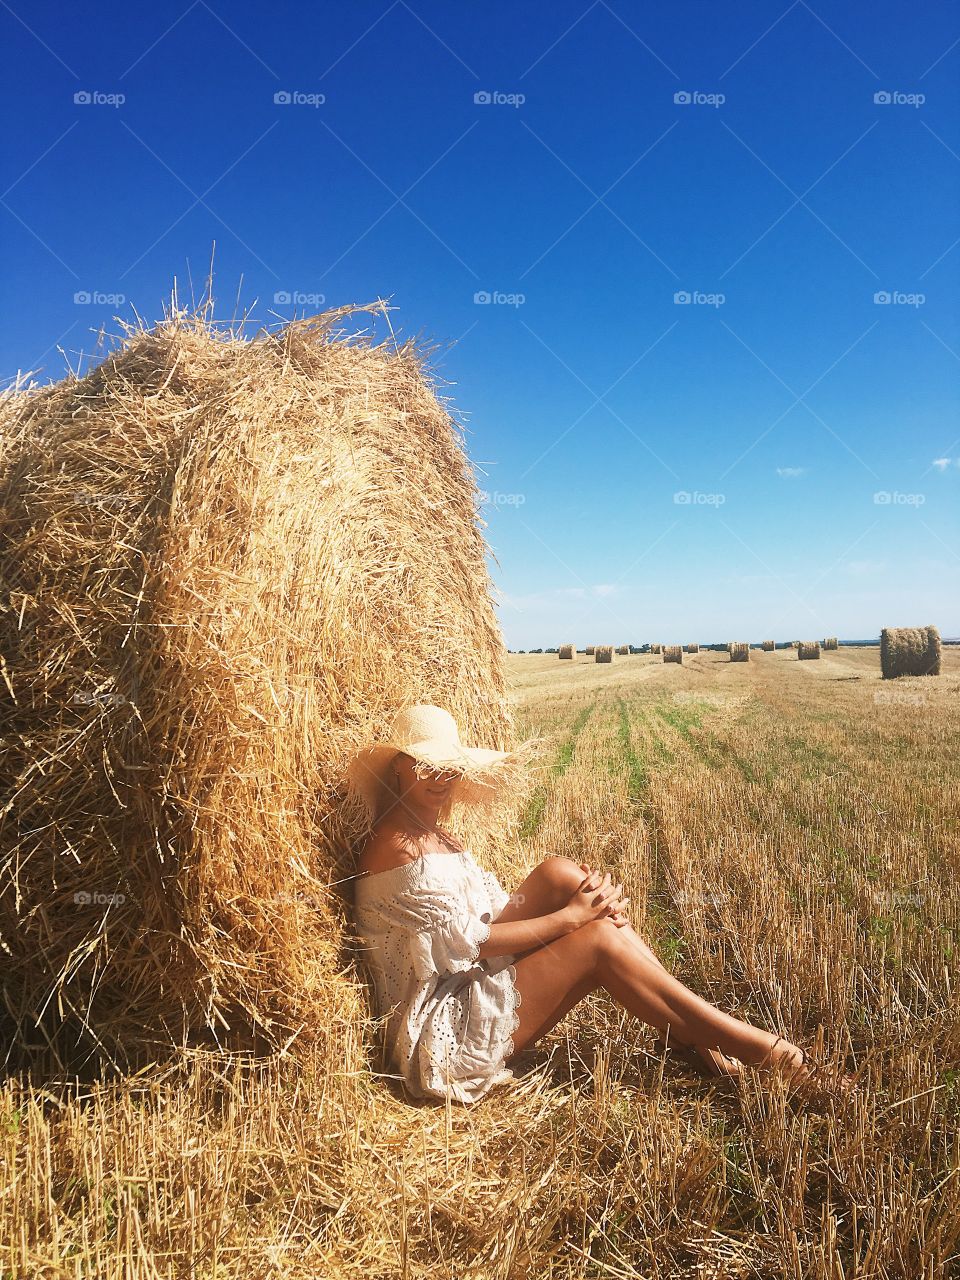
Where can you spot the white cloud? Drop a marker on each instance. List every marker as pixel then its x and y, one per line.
pixel 790 473
pixel 942 463
pixel 605 589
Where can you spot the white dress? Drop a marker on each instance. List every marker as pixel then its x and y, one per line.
pixel 451 1016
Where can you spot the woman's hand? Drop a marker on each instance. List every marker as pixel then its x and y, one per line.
pixel 617 914
pixel 596 898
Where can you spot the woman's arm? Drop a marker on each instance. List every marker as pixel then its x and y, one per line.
pixel 513 936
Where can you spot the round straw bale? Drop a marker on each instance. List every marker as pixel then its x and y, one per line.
pixel 693 648
pixel 909 651
pixel 624 648
pixel 808 649
pixel 225 565
pixel 739 651
pixel 568 651
pixel 831 642
pixel 590 650
pixel 769 646
pixel 604 653
pixel 672 653
pixel 655 648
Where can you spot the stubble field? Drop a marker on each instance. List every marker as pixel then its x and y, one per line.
pixel 789 836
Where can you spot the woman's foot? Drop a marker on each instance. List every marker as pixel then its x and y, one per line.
pixel 804 1074
pixel 709 1062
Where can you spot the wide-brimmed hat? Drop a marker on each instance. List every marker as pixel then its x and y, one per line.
pixel 430 735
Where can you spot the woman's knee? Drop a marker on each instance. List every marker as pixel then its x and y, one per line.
pixel 602 940
pixel 561 874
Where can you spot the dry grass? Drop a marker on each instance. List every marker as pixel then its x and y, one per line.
pixel 739 651
pixel 604 653
pixel 910 651
pixel 790 850
pixel 673 653
pixel 568 651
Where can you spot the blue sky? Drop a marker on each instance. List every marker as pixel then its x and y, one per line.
pixel 538 188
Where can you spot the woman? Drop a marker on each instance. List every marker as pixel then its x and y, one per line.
pixel 467 975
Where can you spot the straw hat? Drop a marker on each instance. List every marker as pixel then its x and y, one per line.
pixel 431 736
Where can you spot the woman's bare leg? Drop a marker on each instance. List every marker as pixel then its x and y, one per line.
pixel 553 978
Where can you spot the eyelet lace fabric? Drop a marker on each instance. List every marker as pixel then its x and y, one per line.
pixel 451 1015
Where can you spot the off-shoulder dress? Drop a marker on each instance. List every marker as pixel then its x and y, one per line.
pixel 451 1016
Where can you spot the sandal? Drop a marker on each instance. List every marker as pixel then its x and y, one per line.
pixel 709 1062
pixel 811 1077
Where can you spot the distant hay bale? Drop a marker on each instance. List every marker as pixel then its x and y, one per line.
pixel 673 653
pixel 225 564
pixel 769 646
pixel 568 651
pixel 909 651
pixel 604 653
pixel 795 644
pixel 624 648
pixel 739 651
pixel 655 648
pixel 693 648
pixel 590 650
pixel 831 643
pixel 808 649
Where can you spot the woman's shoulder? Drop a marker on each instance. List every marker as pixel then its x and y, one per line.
pixel 389 847
pixel 385 849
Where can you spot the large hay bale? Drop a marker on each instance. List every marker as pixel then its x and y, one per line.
pixel 224 565
pixel 769 646
pixel 673 653
pixel 568 651
pixel 590 650
pixel 739 651
pixel 693 648
pixel 655 648
pixel 808 649
pixel 604 653
pixel 909 651
pixel 831 642
pixel 624 648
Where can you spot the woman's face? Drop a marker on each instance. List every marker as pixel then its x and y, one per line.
pixel 431 790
